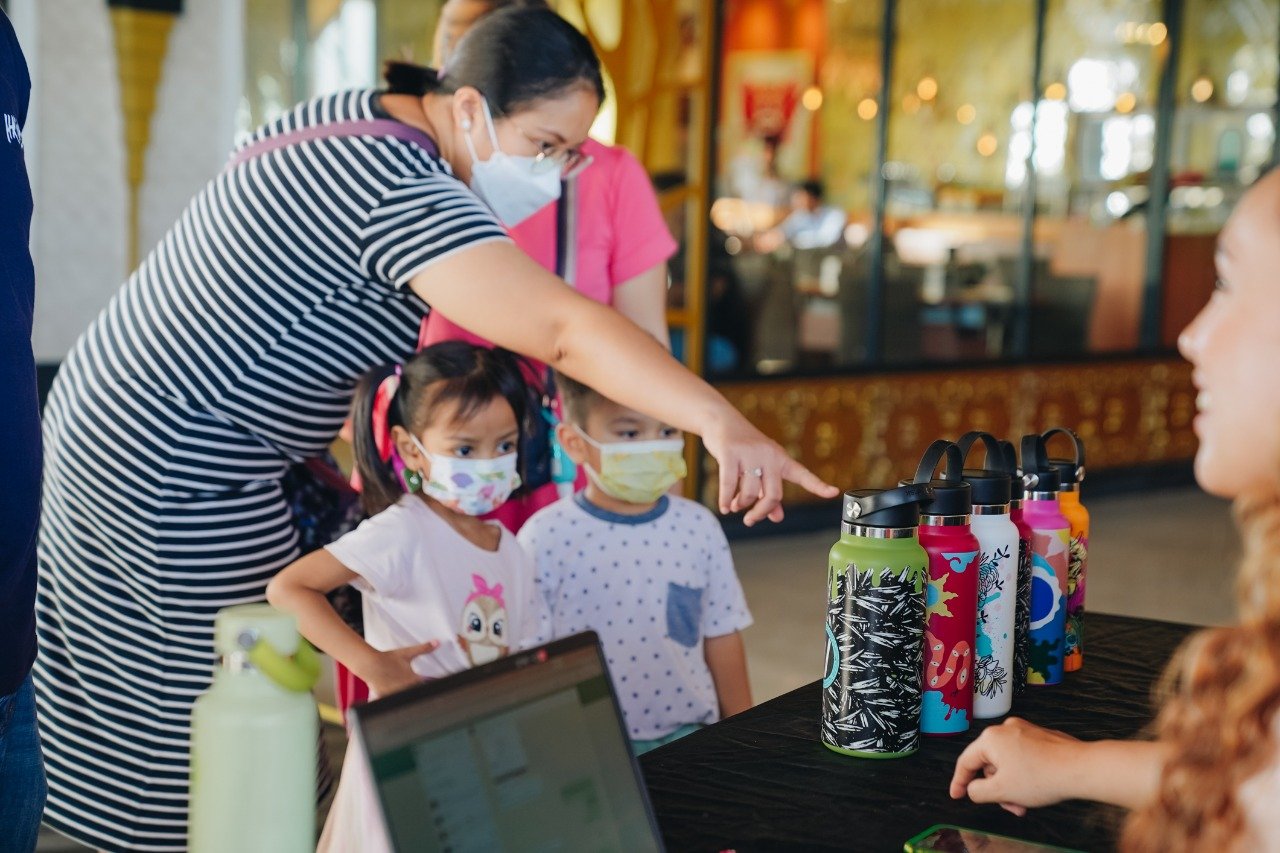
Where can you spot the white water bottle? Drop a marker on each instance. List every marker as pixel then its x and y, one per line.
pixel 997 579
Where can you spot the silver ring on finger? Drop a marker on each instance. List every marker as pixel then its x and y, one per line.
pixel 756 472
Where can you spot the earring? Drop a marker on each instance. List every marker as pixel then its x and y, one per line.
pixel 466 124
pixel 412 480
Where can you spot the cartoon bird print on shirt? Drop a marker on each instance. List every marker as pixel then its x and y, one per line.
pixel 484 623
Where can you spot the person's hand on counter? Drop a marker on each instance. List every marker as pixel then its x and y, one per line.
pixel 1021 765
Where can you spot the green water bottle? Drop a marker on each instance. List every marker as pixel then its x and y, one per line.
pixel 254 736
pixel 876 578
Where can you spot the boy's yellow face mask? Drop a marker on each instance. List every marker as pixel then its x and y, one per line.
pixel 637 472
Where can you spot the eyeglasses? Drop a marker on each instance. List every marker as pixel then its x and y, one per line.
pixel 569 161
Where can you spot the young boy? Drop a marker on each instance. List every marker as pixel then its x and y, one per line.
pixel 649 572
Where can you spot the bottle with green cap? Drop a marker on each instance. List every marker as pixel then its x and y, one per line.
pixel 1070 476
pixel 998 543
pixel 254 736
pixel 876 578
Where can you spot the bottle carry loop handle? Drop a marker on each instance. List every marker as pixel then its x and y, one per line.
pixel 1011 459
pixel 1034 459
pixel 297 673
pixel 1078 456
pixel 996 459
pixel 933 455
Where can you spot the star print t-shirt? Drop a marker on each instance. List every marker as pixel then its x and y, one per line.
pixel 653 586
pixel 422 580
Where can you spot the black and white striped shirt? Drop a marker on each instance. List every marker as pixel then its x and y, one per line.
pixel 229 353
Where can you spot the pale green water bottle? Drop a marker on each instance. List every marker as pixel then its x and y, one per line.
pixel 254 738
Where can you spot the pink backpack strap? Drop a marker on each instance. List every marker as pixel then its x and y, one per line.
pixel 371 127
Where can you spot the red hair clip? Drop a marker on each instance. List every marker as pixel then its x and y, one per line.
pixel 382 400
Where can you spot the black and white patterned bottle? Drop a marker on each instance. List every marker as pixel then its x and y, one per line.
pixel 876 579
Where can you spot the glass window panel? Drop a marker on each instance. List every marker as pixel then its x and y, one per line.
pixel 800 82
pixel 343 49
pixel 1095 148
pixel 1223 136
pixel 340 50
pixel 271 63
pixel 959 131
pixel 675 156
pixel 406 29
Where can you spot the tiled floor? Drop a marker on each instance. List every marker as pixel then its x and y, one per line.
pixel 1168 555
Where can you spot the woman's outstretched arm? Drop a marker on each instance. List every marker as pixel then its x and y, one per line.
pixel 496 291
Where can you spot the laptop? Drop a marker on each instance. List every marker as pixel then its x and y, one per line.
pixel 528 752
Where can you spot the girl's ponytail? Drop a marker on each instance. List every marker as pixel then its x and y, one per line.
pixel 375 409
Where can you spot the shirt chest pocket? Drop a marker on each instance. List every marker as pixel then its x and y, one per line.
pixel 684 614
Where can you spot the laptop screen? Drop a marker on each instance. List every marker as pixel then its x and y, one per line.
pixel 527 753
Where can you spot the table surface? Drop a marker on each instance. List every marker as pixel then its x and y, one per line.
pixel 763 781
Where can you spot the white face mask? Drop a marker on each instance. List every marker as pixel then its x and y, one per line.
pixel 511 186
pixel 469 486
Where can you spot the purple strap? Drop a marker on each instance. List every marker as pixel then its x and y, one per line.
pixel 371 127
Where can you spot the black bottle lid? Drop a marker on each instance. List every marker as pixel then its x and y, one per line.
pixel 1069 473
pixel 993 484
pixel 990 488
pixel 887 508
pixel 950 497
pixel 951 494
pixel 1045 480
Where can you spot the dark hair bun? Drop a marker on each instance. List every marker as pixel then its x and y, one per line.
pixel 514 57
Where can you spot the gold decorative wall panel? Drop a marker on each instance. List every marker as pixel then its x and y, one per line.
pixel 869 431
pixel 141 41
pixel 657 56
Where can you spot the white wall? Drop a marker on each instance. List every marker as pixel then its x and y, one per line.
pixel 195 123
pixel 75 145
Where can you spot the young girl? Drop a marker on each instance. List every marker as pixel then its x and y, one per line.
pixel 1211 778
pixel 443 590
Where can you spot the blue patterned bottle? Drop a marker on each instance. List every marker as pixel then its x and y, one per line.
pixel 1050 564
pixel 876 577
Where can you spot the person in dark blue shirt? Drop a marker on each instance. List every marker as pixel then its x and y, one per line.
pixel 22 782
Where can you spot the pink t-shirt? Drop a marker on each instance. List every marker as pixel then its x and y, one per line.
pixel 621 233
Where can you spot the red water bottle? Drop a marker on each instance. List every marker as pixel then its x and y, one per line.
pixel 951 600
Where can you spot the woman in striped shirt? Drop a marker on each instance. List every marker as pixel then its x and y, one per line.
pixel 231 352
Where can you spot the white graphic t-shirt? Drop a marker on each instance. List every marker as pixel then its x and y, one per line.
pixel 422 580
pixel 653 587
